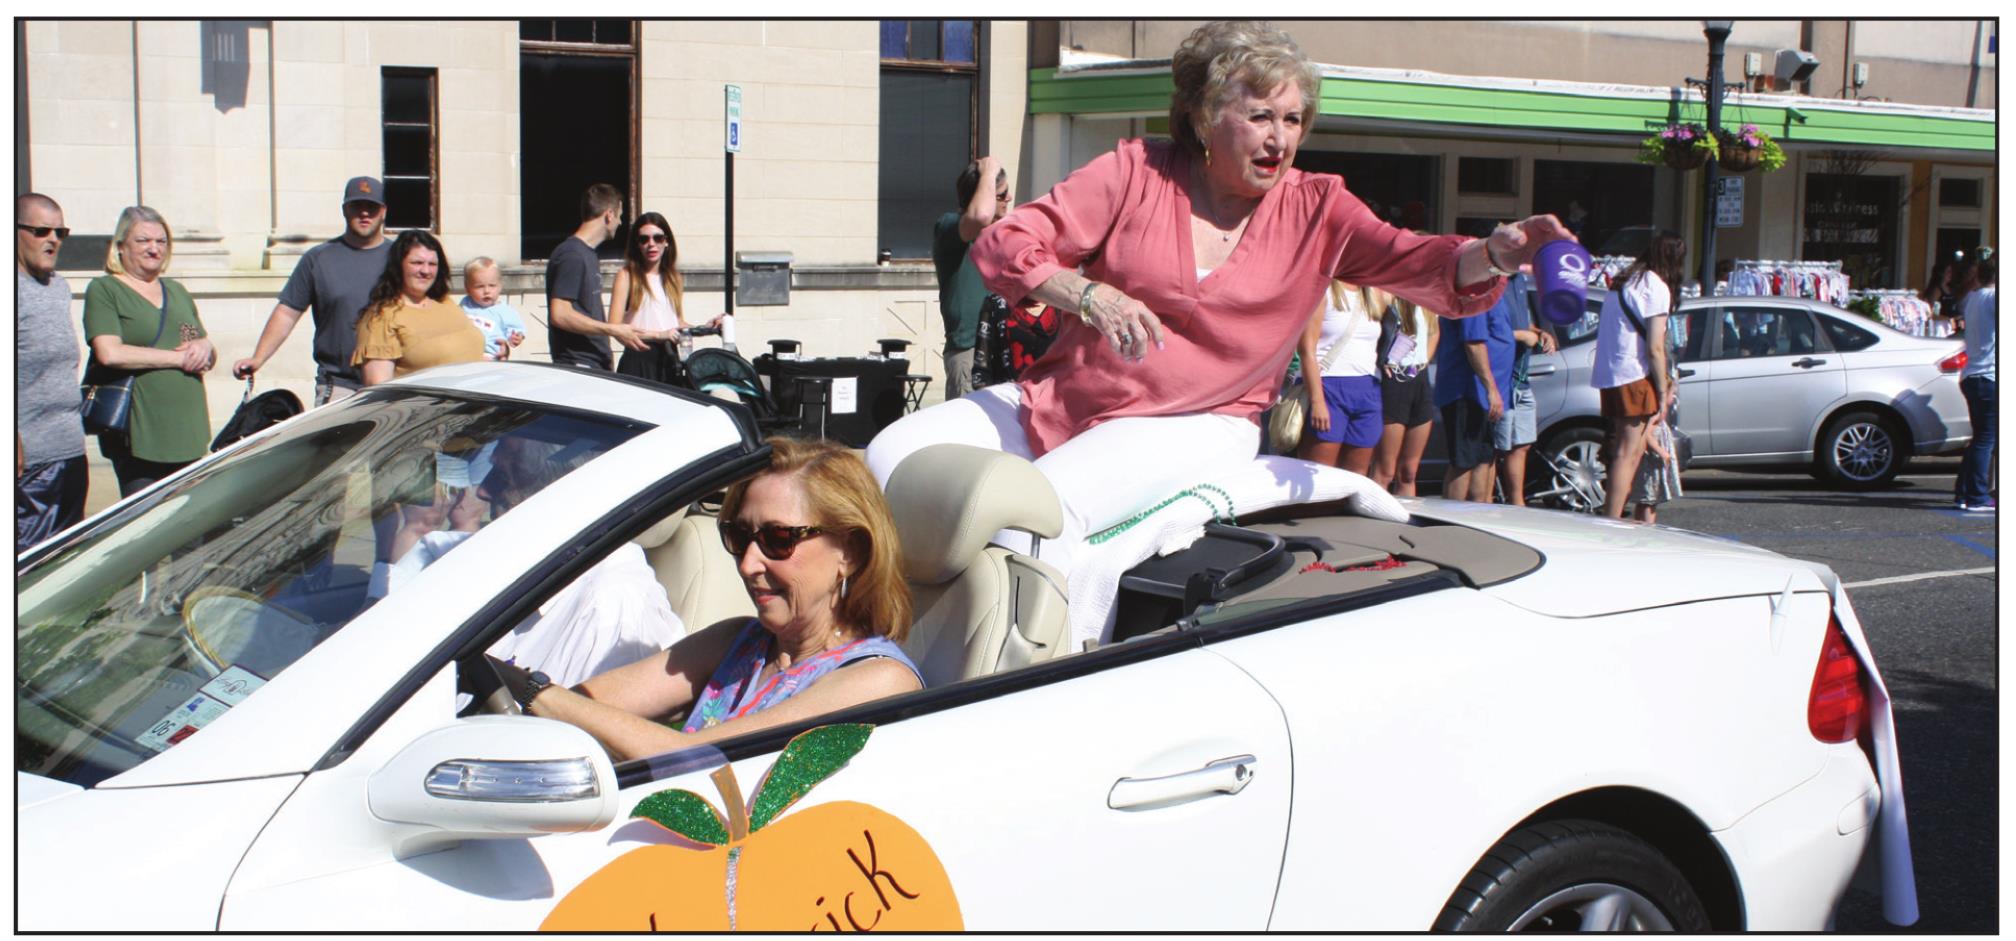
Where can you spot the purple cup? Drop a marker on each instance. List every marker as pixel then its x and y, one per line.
pixel 1561 272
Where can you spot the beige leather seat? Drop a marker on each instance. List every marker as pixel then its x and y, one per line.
pixel 698 574
pixel 979 608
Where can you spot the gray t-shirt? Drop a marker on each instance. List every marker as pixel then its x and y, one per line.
pixel 46 357
pixel 574 275
pixel 333 281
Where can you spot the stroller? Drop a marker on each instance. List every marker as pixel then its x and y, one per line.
pixel 724 374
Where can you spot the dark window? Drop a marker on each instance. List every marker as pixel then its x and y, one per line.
pixel 1604 204
pixel 586 32
pixel 1692 338
pixel 930 74
pixel 1959 193
pixel 1854 219
pixel 1398 188
pixel 1495 176
pixel 1847 337
pixel 407 111
pixel 1749 334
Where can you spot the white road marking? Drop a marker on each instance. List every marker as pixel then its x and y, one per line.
pixel 1921 576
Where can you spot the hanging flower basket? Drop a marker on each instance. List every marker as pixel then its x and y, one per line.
pixel 1680 146
pixel 1747 149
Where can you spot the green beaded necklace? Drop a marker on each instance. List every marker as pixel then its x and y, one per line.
pixel 1129 523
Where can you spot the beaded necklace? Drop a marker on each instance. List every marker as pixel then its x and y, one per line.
pixel 1130 522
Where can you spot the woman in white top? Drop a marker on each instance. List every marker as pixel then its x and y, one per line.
pixel 1631 371
pixel 1405 394
pixel 650 295
pixel 1342 343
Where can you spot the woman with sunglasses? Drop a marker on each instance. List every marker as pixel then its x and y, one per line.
pixel 650 295
pixel 817 551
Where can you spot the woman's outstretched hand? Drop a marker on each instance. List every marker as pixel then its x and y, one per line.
pixel 1514 244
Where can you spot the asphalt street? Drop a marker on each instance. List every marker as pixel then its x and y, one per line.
pixel 1930 613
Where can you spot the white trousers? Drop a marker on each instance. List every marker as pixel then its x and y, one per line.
pixel 1102 476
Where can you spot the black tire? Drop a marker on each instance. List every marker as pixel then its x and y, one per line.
pixel 1567 472
pixel 1555 876
pixel 1861 450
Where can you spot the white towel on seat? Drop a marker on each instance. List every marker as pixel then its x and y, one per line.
pixel 1270 481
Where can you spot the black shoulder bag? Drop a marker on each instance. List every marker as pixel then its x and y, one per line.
pixel 107 406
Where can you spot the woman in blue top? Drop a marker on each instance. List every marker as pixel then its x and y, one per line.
pixel 817 551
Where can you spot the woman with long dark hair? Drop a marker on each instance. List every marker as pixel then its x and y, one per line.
pixel 650 295
pixel 1632 367
pixel 408 323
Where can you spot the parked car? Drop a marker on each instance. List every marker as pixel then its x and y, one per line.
pixel 1481 717
pixel 1763 381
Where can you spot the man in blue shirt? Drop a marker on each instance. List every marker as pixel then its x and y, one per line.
pixel 1514 434
pixel 1473 379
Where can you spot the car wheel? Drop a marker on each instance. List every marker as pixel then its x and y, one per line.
pixel 1573 875
pixel 1860 450
pixel 1569 472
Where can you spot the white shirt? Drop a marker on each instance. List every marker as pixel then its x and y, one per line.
pixel 1417 355
pixel 1978 307
pixel 1361 348
pixel 1621 358
pixel 654 311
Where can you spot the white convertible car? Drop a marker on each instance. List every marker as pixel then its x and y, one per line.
pixel 1306 719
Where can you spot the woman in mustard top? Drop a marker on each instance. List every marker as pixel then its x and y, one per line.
pixel 409 323
pixel 141 323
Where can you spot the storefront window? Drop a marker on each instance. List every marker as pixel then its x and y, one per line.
pixel 1852 219
pixel 1607 205
pixel 1398 188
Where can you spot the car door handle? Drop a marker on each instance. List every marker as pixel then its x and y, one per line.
pixel 1224 776
pixel 1809 362
pixel 1684 373
pixel 1540 369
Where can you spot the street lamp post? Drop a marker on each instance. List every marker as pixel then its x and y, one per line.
pixel 1717 32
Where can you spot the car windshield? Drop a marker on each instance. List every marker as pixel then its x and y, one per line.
pixel 137 629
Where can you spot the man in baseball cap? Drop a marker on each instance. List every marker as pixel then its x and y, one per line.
pixel 334 281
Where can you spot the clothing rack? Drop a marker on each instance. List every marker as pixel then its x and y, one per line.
pixel 1604 269
pixel 1905 312
pixel 1815 280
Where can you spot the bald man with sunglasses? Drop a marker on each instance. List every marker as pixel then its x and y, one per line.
pixel 50 477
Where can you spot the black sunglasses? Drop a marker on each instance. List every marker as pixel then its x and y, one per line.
pixel 660 239
pixel 42 231
pixel 776 540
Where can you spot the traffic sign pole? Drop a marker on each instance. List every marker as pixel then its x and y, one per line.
pixel 732 100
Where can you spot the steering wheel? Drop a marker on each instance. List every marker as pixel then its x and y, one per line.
pixel 476 675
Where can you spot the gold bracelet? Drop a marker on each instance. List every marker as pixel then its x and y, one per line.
pixel 1085 296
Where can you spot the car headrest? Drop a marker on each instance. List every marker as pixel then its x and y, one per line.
pixel 948 500
pixel 657 535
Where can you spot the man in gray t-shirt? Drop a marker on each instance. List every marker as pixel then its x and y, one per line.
pixel 50 478
pixel 334 280
pixel 577 330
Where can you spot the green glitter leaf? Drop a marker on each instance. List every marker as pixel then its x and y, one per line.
pixel 810 758
pixel 685 813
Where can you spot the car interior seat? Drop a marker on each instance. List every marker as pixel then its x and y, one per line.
pixel 980 608
pixel 699 575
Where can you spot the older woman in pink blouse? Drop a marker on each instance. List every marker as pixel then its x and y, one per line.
pixel 1201 258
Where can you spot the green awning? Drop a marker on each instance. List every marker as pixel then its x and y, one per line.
pixel 1142 89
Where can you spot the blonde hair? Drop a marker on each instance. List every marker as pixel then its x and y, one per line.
pixel 476 264
pixel 1217 56
pixel 1374 299
pixel 128 218
pixel 846 502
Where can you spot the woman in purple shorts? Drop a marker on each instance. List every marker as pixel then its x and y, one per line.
pixel 1346 420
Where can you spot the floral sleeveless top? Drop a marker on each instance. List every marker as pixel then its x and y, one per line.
pixel 733 692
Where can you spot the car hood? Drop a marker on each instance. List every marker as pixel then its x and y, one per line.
pixel 33 789
pixel 1598 566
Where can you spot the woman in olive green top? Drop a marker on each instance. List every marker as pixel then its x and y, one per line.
pixel 409 323
pixel 169 424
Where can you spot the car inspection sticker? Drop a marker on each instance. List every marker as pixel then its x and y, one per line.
pixel 233 685
pixel 183 722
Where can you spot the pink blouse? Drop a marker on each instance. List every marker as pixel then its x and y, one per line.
pixel 1126 217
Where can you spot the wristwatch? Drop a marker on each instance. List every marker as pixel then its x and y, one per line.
pixel 535 683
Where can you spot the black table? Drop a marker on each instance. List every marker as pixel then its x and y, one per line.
pixel 876 399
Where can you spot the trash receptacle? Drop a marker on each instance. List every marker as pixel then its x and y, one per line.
pixel 762 279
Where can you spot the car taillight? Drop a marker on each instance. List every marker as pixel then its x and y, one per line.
pixel 1837 709
pixel 1954 363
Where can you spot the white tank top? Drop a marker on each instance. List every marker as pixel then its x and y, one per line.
pixel 655 311
pixel 1361 348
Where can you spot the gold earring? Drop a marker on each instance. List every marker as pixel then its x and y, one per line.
pixel 1207 155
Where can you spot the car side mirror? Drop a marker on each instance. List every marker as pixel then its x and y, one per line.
pixel 493 777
